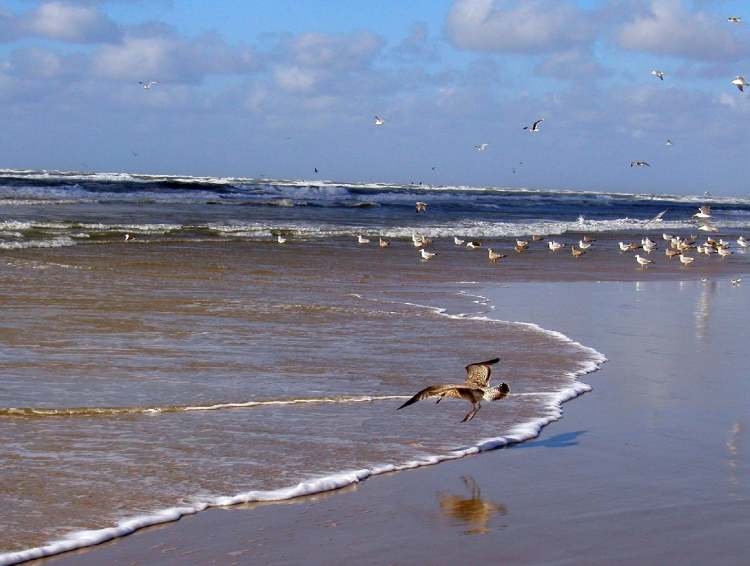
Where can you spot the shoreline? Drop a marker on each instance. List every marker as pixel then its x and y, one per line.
pixel 88 539
pixel 577 449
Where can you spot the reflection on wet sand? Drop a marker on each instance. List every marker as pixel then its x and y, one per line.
pixel 703 310
pixel 734 434
pixel 472 511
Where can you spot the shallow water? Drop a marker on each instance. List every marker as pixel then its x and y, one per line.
pixel 107 350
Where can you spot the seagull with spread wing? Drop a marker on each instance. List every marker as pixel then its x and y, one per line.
pixel 476 388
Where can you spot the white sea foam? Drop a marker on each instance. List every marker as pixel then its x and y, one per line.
pixel 53 243
pixel 520 433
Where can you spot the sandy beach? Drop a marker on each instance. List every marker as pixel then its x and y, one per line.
pixel 648 468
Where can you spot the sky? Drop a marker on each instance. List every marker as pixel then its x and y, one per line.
pixel 250 88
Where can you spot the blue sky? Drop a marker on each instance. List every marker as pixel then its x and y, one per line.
pixel 279 88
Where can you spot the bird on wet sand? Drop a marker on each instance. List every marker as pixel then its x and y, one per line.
pixel 475 389
pixel 642 261
pixel 426 255
pixel 494 256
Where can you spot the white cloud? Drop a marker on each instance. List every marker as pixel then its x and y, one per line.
pixel 171 57
pixel 668 27
pixel 530 26
pixel 67 22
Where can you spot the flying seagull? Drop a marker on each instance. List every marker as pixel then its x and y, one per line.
pixel 703 212
pixel 379 121
pixel 420 206
pixel 669 142
pixel 734 19
pixel 740 82
pixel 639 164
pixel 658 74
pixel 475 389
pixel 534 127
pixel 148 84
pixel 481 146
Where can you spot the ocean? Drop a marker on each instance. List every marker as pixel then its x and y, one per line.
pixel 200 363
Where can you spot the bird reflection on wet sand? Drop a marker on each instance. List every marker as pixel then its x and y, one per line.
pixel 472 511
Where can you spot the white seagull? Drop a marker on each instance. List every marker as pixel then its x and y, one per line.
pixel 148 84
pixel 379 121
pixel 736 282
pixel 584 245
pixel 458 241
pixel 281 239
pixel 554 246
pixel 420 206
pixel 740 82
pixel 658 74
pixel 383 243
pixel 742 242
pixel 642 261
pixel 734 19
pixel 494 256
pixel 128 237
pixel 474 245
pixel 362 240
pixel 426 255
pixel 639 163
pixel 703 212
pixel 686 260
pixel 669 142
pixel 481 146
pixel 534 128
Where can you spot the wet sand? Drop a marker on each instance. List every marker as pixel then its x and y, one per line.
pixel 649 468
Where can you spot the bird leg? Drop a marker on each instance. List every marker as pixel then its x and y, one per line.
pixel 470 414
pixel 439 399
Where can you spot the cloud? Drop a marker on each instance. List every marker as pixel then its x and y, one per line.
pixel 171 57
pixel 514 26
pixel 67 22
pixel 305 62
pixel 668 27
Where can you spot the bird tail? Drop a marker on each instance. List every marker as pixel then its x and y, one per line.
pixel 489 362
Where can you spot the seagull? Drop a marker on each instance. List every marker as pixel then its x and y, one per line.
pixel 658 74
pixel 520 249
pixel 474 245
pixel 648 248
pixel 426 255
pixel 128 237
pixel 421 206
pixel 734 19
pixel 658 218
pixel 740 82
pixel 703 212
pixel 554 246
pixel 383 243
pixel 536 238
pixel 707 228
pixel 474 390
pixel 379 121
pixel 362 240
pixel 742 242
pixel 639 164
pixel 148 84
pixel 575 252
pixel 522 243
pixel 669 142
pixel 686 260
pixel 494 256
pixel 534 127
pixel 584 245
pixel 736 282
pixel 458 241
pixel 481 146
pixel 642 261
pixel 626 247
pixel 666 236
pixel 281 239
pixel 671 253
pixel 724 252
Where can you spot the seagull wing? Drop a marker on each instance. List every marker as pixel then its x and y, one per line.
pixel 478 374
pixel 454 391
pixel 535 125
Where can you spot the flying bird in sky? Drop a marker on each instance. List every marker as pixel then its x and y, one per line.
pixel 534 128
pixel 148 84
pixel 740 82
pixel 658 74
pixel 379 121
